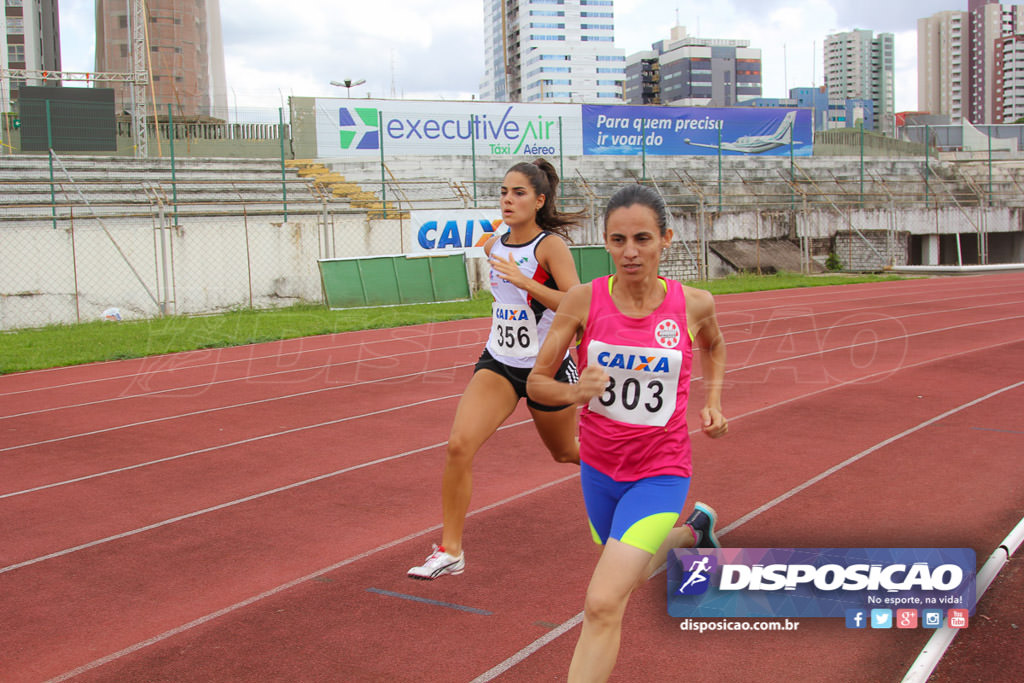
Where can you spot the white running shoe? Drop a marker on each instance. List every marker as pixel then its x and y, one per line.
pixel 438 563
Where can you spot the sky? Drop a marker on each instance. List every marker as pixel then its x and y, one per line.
pixel 429 49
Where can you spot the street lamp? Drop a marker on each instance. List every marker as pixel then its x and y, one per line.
pixel 348 85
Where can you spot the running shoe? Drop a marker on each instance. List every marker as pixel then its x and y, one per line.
pixel 438 563
pixel 702 521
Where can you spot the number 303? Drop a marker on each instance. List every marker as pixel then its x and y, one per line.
pixel 629 395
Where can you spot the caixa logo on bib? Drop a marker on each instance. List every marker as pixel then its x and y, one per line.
pixel 817 582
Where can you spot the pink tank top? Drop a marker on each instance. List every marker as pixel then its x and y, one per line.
pixel 637 428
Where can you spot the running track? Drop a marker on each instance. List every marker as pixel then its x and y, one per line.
pixel 248 514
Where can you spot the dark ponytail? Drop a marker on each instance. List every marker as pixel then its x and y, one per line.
pixel 544 179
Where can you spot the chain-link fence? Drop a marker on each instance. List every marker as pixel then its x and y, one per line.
pixel 201 236
pixel 107 238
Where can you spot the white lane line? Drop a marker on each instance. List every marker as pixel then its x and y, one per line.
pixel 240 442
pixel 205 411
pixel 869 342
pixel 533 647
pixel 922 668
pixel 511 661
pixel 525 652
pixel 150 360
pixel 152 372
pixel 291 584
pixel 246 378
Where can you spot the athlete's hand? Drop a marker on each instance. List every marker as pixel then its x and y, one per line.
pixel 713 423
pixel 508 270
pixel 592 382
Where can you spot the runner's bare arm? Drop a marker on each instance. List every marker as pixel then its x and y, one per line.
pixel 701 317
pixel 569 321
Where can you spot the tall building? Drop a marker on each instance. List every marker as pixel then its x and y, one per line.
pixel 990 21
pixel 968 64
pixel 860 66
pixel 185 58
pixel 30 40
pixel 551 51
pixel 690 71
pixel 1009 104
pixel 943 64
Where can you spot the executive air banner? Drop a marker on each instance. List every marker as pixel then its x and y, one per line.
pixel 353 127
pixel 744 131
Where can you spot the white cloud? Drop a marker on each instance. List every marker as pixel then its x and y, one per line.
pixel 424 49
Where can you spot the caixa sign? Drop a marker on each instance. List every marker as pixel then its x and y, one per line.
pixel 454 230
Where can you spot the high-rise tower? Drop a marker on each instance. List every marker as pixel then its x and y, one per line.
pixel 29 39
pixel 185 57
pixel 551 51
pixel 943 64
pixel 860 66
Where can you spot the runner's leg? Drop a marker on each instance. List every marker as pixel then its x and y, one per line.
pixel 487 402
pixel 557 429
pixel 619 571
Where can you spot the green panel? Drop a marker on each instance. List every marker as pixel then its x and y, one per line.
pixel 592 262
pixel 379 281
pixel 343 288
pixel 414 280
pixel 575 251
pixel 449 277
pixel 391 280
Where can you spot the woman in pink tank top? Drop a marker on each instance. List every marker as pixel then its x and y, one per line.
pixel 637 334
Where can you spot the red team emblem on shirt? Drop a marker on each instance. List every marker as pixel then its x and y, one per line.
pixel 667 334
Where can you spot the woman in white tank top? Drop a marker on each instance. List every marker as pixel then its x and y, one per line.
pixel 531 269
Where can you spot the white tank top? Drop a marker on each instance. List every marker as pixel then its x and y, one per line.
pixel 519 322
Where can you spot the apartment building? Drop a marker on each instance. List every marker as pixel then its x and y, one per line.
pixel 943 64
pixel 185 58
pixel 1009 79
pixel 551 51
pixel 30 40
pixel 968 62
pixel 859 66
pixel 990 22
pixel 689 70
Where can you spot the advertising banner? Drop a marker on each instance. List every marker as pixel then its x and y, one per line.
pixel 820 582
pixel 450 231
pixel 347 127
pixel 632 130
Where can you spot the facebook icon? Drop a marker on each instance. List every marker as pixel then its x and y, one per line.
pixel 856 618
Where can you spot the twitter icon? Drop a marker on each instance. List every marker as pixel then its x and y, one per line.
pixel 881 618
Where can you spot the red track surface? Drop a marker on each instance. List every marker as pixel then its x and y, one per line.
pixel 248 514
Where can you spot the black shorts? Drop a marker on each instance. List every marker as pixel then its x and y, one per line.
pixel 517 377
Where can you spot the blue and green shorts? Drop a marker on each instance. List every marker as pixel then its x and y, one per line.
pixel 639 513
